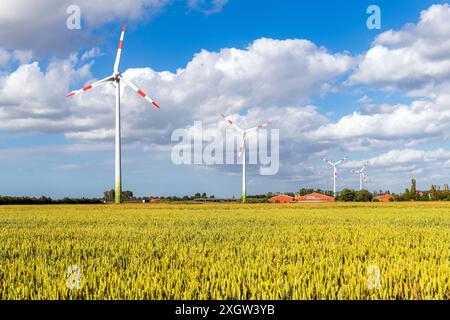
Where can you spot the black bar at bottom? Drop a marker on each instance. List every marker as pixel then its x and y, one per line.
pixel 266 309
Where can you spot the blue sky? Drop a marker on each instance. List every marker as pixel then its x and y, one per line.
pixel 169 40
pixel 40 154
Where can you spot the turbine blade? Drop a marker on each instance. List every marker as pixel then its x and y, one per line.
pixel 259 127
pixel 139 91
pixel 340 161
pixel 91 86
pixel 230 121
pixel 241 147
pixel 119 50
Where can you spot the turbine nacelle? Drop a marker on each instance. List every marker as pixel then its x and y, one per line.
pixel 244 131
pixel 117 76
pixel 335 164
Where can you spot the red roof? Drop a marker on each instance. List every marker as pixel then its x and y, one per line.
pixel 315 197
pixel 384 198
pixel 282 199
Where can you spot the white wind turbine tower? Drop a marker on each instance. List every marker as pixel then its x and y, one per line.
pixel 334 165
pixel 116 77
pixel 242 149
pixel 362 176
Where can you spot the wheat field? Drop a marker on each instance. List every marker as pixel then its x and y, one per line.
pixel 226 251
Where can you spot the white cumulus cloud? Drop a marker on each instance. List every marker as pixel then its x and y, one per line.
pixel 41 26
pixel 415 59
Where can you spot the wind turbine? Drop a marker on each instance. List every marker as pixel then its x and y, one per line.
pixel 242 149
pixel 362 176
pixel 117 77
pixel 334 165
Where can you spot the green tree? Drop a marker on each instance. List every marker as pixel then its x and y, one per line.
pixel 413 192
pixel 109 195
pixel 347 195
pixel 127 195
pixel 434 193
pixel 363 196
pixel 406 196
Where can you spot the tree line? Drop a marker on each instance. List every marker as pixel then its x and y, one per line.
pixel 410 194
pixel 345 195
pixel 6 200
pixel 436 193
pixel 128 196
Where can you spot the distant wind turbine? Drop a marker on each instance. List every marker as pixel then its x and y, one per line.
pixel 362 176
pixel 242 149
pixel 117 77
pixel 334 165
